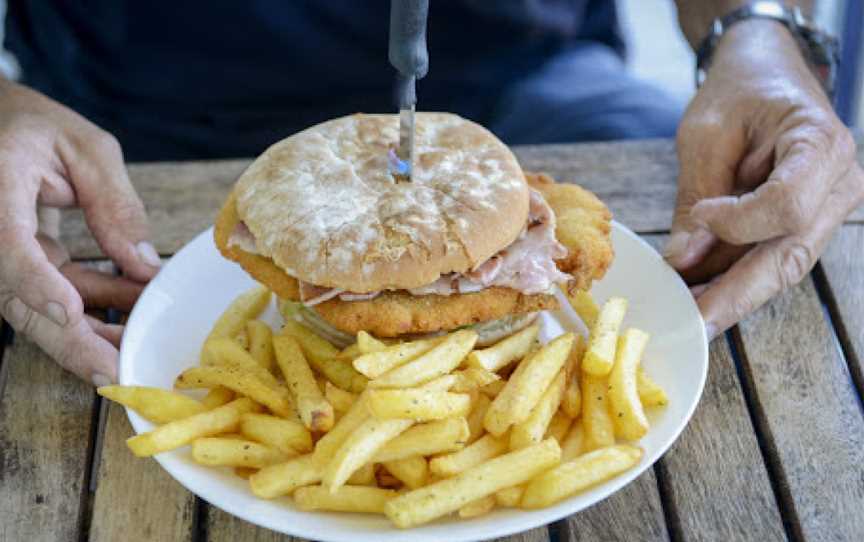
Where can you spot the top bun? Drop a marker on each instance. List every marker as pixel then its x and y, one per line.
pixel 324 207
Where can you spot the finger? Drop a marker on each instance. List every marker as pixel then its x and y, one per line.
pixel 102 290
pixel 76 347
pixel 720 258
pixel 708 154
pixel 773 266
pixel 113 210
pixel 786 204
pixel 25 270
pixel 110 332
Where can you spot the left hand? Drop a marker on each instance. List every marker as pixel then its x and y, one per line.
pixel 767 174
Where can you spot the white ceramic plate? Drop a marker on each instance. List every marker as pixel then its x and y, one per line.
pixel 176 310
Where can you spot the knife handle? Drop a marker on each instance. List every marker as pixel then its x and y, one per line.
pixel 407 48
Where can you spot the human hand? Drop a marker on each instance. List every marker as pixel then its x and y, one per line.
pixel 51 157
pixel 767 174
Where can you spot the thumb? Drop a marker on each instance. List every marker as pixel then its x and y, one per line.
pixel 114 212
pixel 708 155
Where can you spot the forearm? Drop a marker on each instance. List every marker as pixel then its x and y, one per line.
pixel 695 16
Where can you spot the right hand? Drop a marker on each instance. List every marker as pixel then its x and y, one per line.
pixel 51 157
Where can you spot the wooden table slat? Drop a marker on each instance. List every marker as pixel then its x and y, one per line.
pixel 808 413
pixel 633 513
pixel 636 179
pixel 718 485
pixel 46 422
pixel 718 449
pixel 534 535
pixel 843 268
pixel 136 495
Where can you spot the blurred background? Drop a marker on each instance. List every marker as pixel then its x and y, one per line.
pixel 659 53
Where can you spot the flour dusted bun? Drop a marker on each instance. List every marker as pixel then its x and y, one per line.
pixel 322 205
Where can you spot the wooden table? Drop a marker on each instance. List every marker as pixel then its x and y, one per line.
pixel 775 450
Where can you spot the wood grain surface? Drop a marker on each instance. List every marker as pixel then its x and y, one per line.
pixel 223 527
pixel 807 409
pixel 136 495
pixel 46 420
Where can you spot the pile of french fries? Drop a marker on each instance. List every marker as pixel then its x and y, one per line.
pixel 414 430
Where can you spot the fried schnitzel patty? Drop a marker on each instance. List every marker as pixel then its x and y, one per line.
pixel 395 313
pixel 583 226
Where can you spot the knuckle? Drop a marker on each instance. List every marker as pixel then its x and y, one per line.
pixel 104 143
pixel 699 127
pixel 793 264
pixel 796 211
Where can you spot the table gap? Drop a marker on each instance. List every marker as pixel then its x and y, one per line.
pixel 199 520
pixel 557 531
pixel 667 500
pixel 86 510
pixel 839 331
pixel 5 340
pixel 764 438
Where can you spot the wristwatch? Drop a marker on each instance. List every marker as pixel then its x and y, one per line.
pixel 821 49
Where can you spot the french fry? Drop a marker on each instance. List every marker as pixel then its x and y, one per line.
pixel 585 306
pixel 154 404
pixel 315 411
pixel 288 436
pixel 411 471
pixel 340 373
pixel 375 362
pixel 527 383
pixel 600 355
pixel 500 354
pixel 438 361
pixel 357 499
pixel 476 508
pixel 473 378
pixel 222 352
pixel 534 427
pixel 443 497
pixel 432 438
pixel 650 393
pixel 179 433
pixel 241 382
pixel 349 353
pixel 359 448
pixel 509 497
pixel 216 397
pixel 283 478
pixel 442 383
pixel 242 338
pixel 475 417
pixel 599 429
pixel 579 474
pixel 314 347
pixel 484 449
pixel 628 415
pixel 230 452
pixel 417 404
pixel 339 398
pixel 364 476
pixel 492 389
pixel 327 446
pixel 261 343
pixel 571 402
pixel 244 472
pixel 245 307
pixel 571 447
pixel 387 480
pixel 559 426
pixel 367 343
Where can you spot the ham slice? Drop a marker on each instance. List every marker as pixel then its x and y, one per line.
pixel 527 265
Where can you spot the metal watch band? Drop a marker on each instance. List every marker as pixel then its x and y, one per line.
pixel 820 48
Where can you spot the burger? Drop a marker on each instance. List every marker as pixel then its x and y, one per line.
pixel 471 240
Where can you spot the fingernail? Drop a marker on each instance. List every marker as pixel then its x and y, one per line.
pixel 57 313
pixel 100 380
pixel 710 330
pixel 148 254
pixel 676 245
